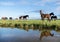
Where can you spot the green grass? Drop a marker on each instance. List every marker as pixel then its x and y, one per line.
pixel 29 21
pixel 57 22
pixel 42 24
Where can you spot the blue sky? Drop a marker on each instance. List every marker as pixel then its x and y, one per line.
pixel 16 8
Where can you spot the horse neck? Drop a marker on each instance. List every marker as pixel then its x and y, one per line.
pixel 51 34
pixel 41 13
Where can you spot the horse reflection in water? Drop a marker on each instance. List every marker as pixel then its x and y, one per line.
pixel 46 34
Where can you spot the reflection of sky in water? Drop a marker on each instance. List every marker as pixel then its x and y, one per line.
pixel 14 34
pixel 8 32
pixel 55 33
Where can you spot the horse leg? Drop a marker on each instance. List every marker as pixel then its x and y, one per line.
pixel 41 37
pixel 26 18
pixel 49 19
pixel 23 18
pixel 55 19
pixel 42 34
pixel 42 18
pixel 20 17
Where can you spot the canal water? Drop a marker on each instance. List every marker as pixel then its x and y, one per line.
pixel 21 35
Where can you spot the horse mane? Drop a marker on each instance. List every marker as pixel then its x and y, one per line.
pixel 41 13
pixel 51 13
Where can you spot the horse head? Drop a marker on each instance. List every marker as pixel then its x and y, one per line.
pixel 51 13
pixel 40 10
pixel 27 15
pixel 20 17
pixel 52 34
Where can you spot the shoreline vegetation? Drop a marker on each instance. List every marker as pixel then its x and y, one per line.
pixel 31 24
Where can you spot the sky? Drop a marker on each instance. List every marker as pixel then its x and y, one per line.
pixel 16 8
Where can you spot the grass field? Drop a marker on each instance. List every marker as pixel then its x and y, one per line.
pixel 36 23
pixel 57 22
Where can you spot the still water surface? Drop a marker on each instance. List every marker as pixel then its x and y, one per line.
pixel 20 35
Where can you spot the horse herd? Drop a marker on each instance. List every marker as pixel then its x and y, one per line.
pixel 20 17
pixel 49 16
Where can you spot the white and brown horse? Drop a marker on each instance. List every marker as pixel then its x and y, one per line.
pixel 43 16
pixel 54 17
pixel 24 17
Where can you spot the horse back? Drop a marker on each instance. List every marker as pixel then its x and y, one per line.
pixel 45 15
pixel 45 33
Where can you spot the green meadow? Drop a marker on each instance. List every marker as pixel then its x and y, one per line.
pixel 37 24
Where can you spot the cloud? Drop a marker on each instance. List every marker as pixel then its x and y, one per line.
pixel 27 2
pixel 16 2
pixel 42 2
pixel 23 2
pixel 58 3
pixel 58 9
pixel 7 3
pixel 46 2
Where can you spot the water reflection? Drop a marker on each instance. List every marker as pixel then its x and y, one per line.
pixel 9 34
pixel 23 35
pixel 33 26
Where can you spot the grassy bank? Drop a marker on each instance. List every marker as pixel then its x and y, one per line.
pixel 37 24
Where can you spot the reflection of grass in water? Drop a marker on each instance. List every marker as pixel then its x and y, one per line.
pixel 35 24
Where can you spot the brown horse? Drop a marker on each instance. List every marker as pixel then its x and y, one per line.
pixel 4 18
pixel 43 16
pixel 45 33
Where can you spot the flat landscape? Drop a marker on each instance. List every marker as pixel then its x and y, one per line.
pixel 38 24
